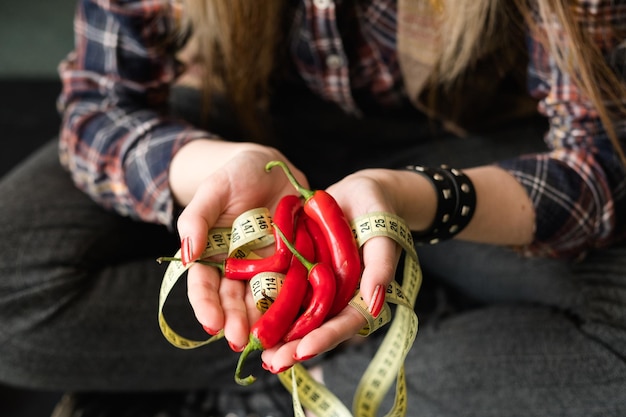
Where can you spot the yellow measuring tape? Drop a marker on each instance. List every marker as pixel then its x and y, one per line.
pixel 252 230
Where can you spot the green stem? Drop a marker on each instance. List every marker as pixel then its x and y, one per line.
pixel 253 344
pixel 307 264
pixel 305 192
pixel 219 265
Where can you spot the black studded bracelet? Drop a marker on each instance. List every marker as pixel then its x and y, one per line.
pixel 456 202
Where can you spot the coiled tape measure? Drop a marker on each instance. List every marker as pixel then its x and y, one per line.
pixel 252 230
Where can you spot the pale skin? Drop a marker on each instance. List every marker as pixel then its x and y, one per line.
pixel 217 180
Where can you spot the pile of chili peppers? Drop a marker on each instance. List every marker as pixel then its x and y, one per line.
pixel 316 251
pixel 320 259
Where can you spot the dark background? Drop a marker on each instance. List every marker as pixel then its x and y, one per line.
pixel 34 37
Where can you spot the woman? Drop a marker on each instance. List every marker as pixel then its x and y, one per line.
pixel 348 93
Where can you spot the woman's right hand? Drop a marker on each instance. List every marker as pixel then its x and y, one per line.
pixel 217 181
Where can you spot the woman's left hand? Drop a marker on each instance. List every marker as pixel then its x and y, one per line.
pixel 358 194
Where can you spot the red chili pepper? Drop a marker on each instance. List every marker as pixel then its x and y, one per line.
pixel 346 260
pixel 323 282
pixel 322 252
pixel 273 324
pixel 243 269
pixel 284 217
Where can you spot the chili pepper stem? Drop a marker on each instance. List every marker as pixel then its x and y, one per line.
pixel 200 261
pixel 307 264
pixel 306 193
pixel 253 344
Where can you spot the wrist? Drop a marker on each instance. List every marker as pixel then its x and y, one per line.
pixel 414 198
pixel 197 160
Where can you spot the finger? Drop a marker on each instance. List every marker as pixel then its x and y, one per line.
pixel 203 284
pixel 233 302
pixel 281 356
pixel 380 259
pixel 198 217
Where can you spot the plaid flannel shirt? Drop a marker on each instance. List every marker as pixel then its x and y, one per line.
pixel 117 139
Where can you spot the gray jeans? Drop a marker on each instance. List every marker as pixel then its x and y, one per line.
pixel 499 335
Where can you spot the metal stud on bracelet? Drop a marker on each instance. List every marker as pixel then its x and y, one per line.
pixel 456 202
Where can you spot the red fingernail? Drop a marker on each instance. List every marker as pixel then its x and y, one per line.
pixel 235 347
pixel 185 248
pixel 303 358
pixel 377 302
pixel 210 331
pixel 283 369
pixel 265 366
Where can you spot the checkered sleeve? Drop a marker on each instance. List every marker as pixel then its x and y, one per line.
pixel 577 187
pixel 116 138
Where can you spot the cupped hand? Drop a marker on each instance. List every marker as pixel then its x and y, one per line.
pixel 226 179
pixel 363 192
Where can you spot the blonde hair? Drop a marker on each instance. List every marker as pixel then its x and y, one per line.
pixel 240 39
pixel 472 28
pixel 579 56
pixel 236 44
